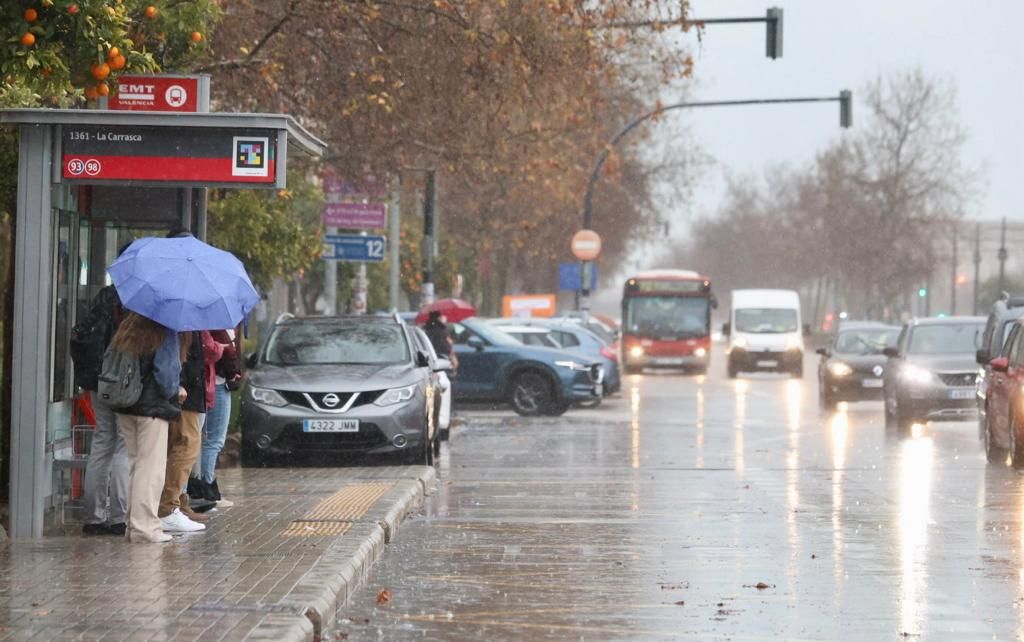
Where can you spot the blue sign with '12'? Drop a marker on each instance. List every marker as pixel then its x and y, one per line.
pixel 354 247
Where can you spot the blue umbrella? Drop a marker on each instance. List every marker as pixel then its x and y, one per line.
pixel 183 284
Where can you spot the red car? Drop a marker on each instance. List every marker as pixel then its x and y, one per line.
pixel 1003 432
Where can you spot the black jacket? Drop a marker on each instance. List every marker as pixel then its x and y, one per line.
pixel 91 336
pixel 437 332
pixel 192 373
pixel 152 402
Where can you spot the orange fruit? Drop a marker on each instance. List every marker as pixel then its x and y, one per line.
pixel 117 62
pixel 113 53
pixel 197 37
pixel 150 12
pixel 90 93
pixel 31 15
pixel 28 39
pixel 100 71
pixel 73 9
pixel 103 89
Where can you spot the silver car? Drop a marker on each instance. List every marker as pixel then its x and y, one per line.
pixel 339 386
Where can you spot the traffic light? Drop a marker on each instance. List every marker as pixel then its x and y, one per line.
pixel 922 292
pixel 846 109
pixel 774 43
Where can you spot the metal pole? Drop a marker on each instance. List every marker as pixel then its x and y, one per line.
pixel 977 266
pixel 395 225
pixel 429 204
pixel 359 305
pixel 952 296
pixel 331 281
pixel 1002 257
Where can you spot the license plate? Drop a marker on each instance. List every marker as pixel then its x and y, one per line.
pixel 767 364
pixel 670 361
pixel 962 393
pixel 872 383
pixel 330 425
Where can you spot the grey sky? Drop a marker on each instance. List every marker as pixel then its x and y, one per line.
pixel 830 45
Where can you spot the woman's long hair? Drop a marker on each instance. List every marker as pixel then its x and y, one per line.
pixel 139 335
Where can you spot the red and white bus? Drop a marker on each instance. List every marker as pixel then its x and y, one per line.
pixel 666 320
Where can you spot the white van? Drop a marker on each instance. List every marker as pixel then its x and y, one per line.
pixel 765 332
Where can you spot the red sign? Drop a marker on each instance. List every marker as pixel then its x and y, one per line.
pixel 355 215
pixel 156 93
pixel 168 154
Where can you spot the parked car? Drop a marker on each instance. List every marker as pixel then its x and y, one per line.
pixel 440 366
pixel 997 330
pixel 339 385
pixel 853 363
pixel 533 380
pixel 569 334
pixel 931 373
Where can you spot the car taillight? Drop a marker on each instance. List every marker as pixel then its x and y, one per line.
pixel 608 353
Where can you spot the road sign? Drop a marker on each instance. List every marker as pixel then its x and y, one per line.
pixel 569 277
pixel 528 305
pixel 356 216
pixel 354 247
pixel 586 245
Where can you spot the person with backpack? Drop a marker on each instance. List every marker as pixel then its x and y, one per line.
pixel 148 358
pixel 105 495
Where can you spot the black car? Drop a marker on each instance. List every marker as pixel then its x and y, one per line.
pixel 852 365
pixel 931 373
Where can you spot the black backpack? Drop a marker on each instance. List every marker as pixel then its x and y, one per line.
pixel 91 336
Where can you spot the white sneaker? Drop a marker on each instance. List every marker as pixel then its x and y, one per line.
pixel 178 522
pixel 225 503
pixel 159 538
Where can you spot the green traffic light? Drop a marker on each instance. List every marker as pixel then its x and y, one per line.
pixel 923 292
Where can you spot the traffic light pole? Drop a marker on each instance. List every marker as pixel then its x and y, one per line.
pixel 845 100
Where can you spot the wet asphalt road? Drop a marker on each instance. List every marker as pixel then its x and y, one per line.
pixel 657 515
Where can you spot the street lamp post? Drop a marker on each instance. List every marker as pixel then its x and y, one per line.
pixel 845 100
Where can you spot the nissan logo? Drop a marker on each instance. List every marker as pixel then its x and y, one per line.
pixel 878 370
pixel 330 400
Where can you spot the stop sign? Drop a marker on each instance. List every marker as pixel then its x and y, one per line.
pixel 586 245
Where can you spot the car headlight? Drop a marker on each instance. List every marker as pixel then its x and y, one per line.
pixel 840 369
pixel 739 343
pixel 700 353
pixel 916 374
pixel 396 395
pixel 267 397
pixel 572 365
pixel 794 343
pixel 636 352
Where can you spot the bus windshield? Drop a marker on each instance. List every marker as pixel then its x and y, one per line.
pixel 667 317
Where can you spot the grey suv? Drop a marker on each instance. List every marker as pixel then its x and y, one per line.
pixel 339 385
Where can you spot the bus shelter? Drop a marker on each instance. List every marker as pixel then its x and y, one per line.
pixel 88 181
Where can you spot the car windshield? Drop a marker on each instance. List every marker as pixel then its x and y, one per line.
pixel 953 338
pixel 862 342
pixel 667 316
pixel 336 343
pixel 766 320
pixel 463 331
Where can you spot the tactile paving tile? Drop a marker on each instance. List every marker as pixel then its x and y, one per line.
pixel 350 502
pixel 316 529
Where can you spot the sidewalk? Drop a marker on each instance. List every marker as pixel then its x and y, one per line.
pixel 275 566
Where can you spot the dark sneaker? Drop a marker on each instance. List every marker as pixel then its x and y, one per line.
pixel 195 488
pixel 214 491
pixel 95 529
pixel 117 529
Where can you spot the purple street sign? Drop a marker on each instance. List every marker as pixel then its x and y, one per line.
pixel 355 215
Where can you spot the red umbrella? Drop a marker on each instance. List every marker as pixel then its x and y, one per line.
pixel 452 309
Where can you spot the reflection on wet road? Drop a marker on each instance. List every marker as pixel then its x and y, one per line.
pixel 702 508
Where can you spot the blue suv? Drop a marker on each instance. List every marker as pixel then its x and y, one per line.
pixel 533 380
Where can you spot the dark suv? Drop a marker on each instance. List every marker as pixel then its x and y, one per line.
pixel 339 385
pixel 931 373
pixel 997 328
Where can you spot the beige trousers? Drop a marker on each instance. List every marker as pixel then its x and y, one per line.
pixel 184 439
pixel 146 441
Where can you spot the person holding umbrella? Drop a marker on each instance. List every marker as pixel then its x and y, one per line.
pixel 184 285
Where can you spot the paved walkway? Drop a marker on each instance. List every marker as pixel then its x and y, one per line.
pixel 272 567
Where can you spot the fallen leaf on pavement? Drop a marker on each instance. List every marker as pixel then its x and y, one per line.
pixel 384 597
pixel 762 586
